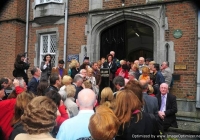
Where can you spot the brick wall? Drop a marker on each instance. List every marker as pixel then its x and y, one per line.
pixel 9 10
pixel 184 16
pixel 12 36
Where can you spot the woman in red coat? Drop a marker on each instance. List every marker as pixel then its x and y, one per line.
pixel 7 109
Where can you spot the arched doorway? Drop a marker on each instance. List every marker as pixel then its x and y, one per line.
pixel 129 40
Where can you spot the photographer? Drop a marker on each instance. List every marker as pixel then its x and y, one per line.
pixel 21 64
pixel 46 67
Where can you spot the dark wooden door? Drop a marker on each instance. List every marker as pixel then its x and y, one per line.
pixel 113 39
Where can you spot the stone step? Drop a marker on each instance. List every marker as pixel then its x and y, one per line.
pixel 186 130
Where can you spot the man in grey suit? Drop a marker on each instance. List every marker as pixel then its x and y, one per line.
pixel 166 72
pixel 151 103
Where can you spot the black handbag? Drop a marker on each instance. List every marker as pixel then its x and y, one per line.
pixel 15 73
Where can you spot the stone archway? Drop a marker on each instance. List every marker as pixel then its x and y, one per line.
pixel 130 40
pixel 93 42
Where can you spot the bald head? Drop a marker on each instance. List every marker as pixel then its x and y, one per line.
pixel 112 53
pixel 86 99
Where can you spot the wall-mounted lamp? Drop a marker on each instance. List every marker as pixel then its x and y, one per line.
pixel 137 34
pixel 123 1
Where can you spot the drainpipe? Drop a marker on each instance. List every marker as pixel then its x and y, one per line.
pixel 27 22
pixel 198 65
pixel 65 32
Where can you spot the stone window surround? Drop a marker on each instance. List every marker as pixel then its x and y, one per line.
pixel 37 44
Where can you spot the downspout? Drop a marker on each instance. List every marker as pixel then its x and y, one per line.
pixel 27 23
pixel 65 32
pixel 198 65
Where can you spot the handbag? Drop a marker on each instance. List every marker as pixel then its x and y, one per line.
pixel 15 73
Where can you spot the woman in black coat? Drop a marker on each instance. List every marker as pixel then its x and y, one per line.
pixel 21 64
pixel 112 66
pixel 46 67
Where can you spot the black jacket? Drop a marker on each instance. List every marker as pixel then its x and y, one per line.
pixel 137 130
pixel 171 110
pixel 51 87
pixel 32 85
pixel 20 70
pixel 17 129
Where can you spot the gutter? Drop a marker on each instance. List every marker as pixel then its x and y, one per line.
pixel 198 65
pixel 65 32
pixel 27 22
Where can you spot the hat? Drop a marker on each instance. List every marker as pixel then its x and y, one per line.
pixel 86 58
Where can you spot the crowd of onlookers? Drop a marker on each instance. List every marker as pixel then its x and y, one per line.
pixel 72 104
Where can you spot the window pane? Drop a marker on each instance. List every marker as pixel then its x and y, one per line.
pixel 45 44
pixel 52 43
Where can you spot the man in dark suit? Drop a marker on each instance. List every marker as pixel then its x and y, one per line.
pixel 151 103
pixel 78 82
pixel 60 70
pixel 119 84
pixel 33 83
pixel 167 106
pixel 55 82
pixel 159 79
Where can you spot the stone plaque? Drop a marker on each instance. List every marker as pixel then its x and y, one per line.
pixel 180 67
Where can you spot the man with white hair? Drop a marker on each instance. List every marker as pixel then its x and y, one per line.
pixel 141 64
pixel 83 73
pixel 166 72
pixel 77 127
pixel 167 107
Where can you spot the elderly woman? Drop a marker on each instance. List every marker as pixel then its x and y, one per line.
pixel 69 101
pixel 38 119
pixel 75 67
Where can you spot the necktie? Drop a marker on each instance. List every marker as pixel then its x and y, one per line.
pixel 162 108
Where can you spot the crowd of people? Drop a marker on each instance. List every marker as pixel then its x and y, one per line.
pixel 62 104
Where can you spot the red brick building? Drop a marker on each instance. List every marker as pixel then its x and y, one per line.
pixel 164 30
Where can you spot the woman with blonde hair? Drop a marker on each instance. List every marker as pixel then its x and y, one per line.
pixel 92 80
pixel 67 80
pixel 107 97
pixel 151 66
pixel 135 69
pixel 133 121
pixel 103 124
pixel 145 74
pixel 38 119
pixel 69 101
pixel 74 67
